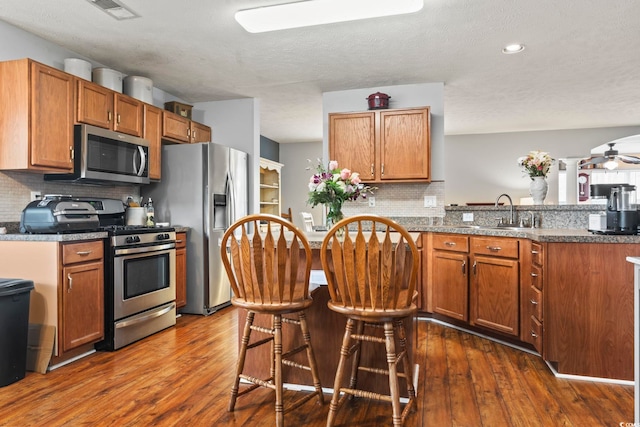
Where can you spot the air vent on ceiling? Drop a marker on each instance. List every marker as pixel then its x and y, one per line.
pixel 114 8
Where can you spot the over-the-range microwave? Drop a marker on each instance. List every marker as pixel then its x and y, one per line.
pixel 103 156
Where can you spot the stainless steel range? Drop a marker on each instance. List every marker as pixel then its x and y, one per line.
pixel 140 279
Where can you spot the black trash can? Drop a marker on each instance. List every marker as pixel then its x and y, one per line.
pixel 14 328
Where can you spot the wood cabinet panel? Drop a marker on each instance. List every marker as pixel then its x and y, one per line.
pixel 352 142
pixel 405 144
pixel 94 104
pixel 495 246
pixel 383 145
pixel 588 308
pixel 494 293
pixel 82 304
pixel 181 269
pixel 51 117
pixel 451 242
pixel 450 284
pixel 152 132
pixel 128 115
pixel 82 252
pixel 200 132
pixel 175 127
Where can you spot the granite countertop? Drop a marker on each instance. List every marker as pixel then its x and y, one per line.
pixel 65 237
pixel 567 235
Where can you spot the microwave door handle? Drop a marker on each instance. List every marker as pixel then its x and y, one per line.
pixel 143 162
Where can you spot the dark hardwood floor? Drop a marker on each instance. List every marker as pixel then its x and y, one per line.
pixel 182 376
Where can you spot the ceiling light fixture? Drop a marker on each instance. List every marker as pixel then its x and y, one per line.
pixel 513 48
pixel 114 8
pixel 317 12
pixel 610 164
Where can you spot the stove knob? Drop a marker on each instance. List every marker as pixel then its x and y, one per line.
pixel 132 239
pixel 164 236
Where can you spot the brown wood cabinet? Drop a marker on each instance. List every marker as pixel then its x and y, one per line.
pixel 383 145
pixel 36 117
pixel 450 280
pixel 152 132
pixel 181 269
pixel 176 128
pixel 81 294
pixel 495 284
pixel 531 289
pixel 588 308
pixel 103 107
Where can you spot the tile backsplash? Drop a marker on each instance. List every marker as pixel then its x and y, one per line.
pixel 401 200
pixel 16 188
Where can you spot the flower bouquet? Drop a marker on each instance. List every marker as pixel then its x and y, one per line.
pixel 332 187
pixel 536 163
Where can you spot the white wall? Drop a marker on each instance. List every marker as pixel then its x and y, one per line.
pixel 480 167
pixel 236 124
pixel 295 178
pixel 402 96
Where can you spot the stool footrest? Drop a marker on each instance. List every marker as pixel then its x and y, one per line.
pixel 368 338
pixel 262 329
pixel 259 343
pixel 257 382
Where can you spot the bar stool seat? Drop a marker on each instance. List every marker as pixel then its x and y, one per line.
pixel 371 279
pixel 270 276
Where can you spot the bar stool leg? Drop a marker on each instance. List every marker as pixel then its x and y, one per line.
pixel 390 346
pixel 344 353
pixel 407 362
pixel 277 350
pixel 355 363
pixel 311 356
pixel 246 335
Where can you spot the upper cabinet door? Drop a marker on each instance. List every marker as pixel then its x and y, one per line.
pixel 51 118
pixel 95 104
pixel 175 127
pixel 405 144
pixel 200 132
pixel 352 142
pixel 128 115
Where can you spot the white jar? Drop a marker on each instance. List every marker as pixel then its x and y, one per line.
pixel 108 78
pixel 78 67
pixel 139 88
pixel 136 216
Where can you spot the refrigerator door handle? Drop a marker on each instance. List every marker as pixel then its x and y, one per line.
pixel 232 205
pixel 207 212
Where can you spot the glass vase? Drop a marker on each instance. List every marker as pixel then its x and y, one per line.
pixel 538 189
pixel 334 215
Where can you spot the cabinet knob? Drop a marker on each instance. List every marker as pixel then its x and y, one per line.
pixel 534 335
pixel 83 253
pixel 450 244
pixel 464 267
pixel 382 169
pixel 109 116
pixel 70 282
pixel 534 275
pixel 473 267
pixel 118 118
pixel 534 302
pixel 535 252
pixel 494 248
pixel 372 169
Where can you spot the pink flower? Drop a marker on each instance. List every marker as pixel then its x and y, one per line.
pixel 345 174
pixel 333 165
pixel 355 178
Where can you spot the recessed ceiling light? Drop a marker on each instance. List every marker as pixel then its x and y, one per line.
pixel 316 12
pixel 114 8
pixel 513 48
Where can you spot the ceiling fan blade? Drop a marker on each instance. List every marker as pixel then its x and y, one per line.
pixel 629 159
pixel 593 161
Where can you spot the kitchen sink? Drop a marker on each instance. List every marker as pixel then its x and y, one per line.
pixel 491 227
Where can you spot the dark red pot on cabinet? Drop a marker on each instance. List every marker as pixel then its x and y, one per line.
pixel 378 101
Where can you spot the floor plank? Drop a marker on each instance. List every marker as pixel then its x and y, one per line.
pixel 183 375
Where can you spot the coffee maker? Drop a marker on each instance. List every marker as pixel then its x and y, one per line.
pixel 622 210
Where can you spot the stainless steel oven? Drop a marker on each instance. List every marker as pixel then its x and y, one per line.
pixel 140 289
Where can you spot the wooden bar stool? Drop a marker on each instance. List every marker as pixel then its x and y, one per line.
pixel 268 276
pixel 371 278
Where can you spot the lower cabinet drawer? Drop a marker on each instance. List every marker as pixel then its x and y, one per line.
pixel 535 302
pixel 82 252
pixel 535 331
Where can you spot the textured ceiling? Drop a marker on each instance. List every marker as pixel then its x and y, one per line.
pixel 580 68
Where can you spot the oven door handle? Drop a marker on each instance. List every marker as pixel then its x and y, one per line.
pixel 146 318
pixel 149 250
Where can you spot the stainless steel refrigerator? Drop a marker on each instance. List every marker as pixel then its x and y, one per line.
pixel 203 187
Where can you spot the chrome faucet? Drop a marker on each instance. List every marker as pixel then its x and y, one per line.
pixel 513 218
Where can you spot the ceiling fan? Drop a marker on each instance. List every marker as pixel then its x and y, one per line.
pixel 610 158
